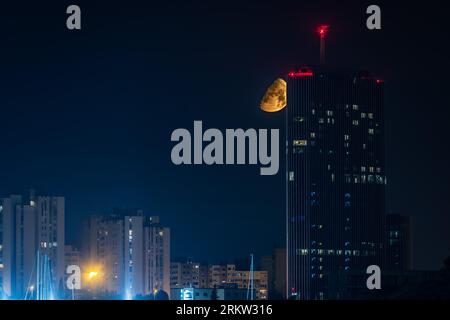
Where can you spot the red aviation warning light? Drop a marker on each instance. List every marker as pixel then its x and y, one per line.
pixel 322 30
pixel 303 72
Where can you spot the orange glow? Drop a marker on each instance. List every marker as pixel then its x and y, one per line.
pixel 93 273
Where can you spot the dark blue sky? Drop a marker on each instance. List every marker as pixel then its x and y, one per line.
pixel 88 114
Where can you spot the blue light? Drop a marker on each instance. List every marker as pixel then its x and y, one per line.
pixel 187 294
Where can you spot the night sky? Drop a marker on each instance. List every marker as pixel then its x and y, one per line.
pixel 88 114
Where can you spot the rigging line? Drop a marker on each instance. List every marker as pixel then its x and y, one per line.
pixel 31 277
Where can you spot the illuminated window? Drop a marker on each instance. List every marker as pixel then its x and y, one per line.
pixel 299 119
pixel 370 115
pixel 346 137
pixel 355 107
pixel 303 252
pixel 291 175
pixel 355 122
pixel 371 131
pixel 313 134
pixel 329 113
pixel 300 142
pixel 363 115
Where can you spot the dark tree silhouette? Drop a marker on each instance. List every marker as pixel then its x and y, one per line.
pixel 161 295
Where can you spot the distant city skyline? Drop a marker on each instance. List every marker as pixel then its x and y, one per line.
pixel 88 115
pixel 126 254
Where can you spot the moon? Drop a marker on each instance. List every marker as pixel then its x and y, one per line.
pixel 275 97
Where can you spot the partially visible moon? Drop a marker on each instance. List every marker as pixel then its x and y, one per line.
pixel 275 97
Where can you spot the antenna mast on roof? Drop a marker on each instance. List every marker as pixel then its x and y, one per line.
pixel 322 30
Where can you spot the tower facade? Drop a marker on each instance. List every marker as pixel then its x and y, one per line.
pixel 29 226
pixel 131 250
pixel 335 179
pixel 156 256
pixel 398 242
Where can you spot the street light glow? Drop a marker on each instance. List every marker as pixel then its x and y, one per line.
pixel 92 275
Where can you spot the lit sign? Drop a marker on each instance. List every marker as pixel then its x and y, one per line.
pixel 187 294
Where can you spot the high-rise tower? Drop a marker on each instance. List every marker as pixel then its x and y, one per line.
pixel 30 226
pixel 335 179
